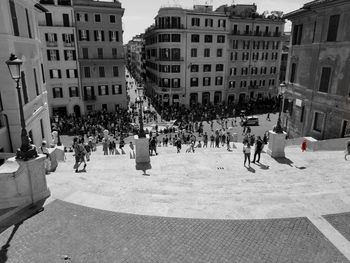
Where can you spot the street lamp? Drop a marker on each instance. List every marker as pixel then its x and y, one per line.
pixel 26 151
pixel 278 128
pixel 139 101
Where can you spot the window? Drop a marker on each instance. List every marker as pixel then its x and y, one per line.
pixel 113 36
pixel 194 38
pixel 208 38
pixel 231 84
pixel 164 82
pixel 42 129
pixel 48 17
pixel 84 35
pixel 233 71
pixel 175 54
pixel 99 35
pixel 102 90
pixel 325 79
pixel 97 18
pixel 194 82
pixel 57 92
pixel 65 20
pixel 206 81
pixel 195 21
pixel 82 17
pixel 235 44
pixel 87 73
pixel 207 52
pixel 221 39
pixel 175 38
pixel 208 22
pixel 164 38
pixel 24 88
pixel 293 72
pixel 219 52
pixel 112 19
pixel 194 68
pixel 101 71
pixel 297 34
pixel 100 53
pixel 51 39
pixel 175 68
pixel 114 52
pixel 71 73
pixel 73 92
pixel 206 68
pixel 164 53
pixel 55 73
pixel 164 68
pixel 68 40
pixel 69 55
pixel 14 17
pixel 36 82
pixel 318 121
pixel 193 52
pixel 302 113
pixel 218 81
pixel 175 83
pixel 85 52
pixel 53 54
pixel 333 28
pixel 221 23
pixel 116 89
pixel 219 67
pixel 28 24
pixel 115 71
pixel 42 72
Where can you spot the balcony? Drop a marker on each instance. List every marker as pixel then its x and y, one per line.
pixel 51 44
pixel 47 2
pixel 180 26
pixel 68 44
pixel 170 59
pixel 89 97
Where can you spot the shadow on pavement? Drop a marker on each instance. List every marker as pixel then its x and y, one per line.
pixel 284 160
pixel 263 166
pixel 250 169
pixel 4 248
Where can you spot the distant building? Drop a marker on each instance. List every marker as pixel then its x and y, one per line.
pixel 284 56
pixel 136 57
pixel 318 89
pixel 101 54
pixel 230 55
pixel 20 36
pixel 59 46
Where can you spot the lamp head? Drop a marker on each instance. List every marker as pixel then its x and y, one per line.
pixel 14 64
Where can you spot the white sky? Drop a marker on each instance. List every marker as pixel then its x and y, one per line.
pixel 139 14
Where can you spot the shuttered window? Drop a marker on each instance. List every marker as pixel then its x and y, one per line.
pixel 325 78
pixel 333 28
pixel 14 17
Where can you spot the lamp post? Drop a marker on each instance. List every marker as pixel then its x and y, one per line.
pixel 26 151
pixel 278 128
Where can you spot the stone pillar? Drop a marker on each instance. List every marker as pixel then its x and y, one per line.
pixel 277 143
pixel 23 183
pixel 142 158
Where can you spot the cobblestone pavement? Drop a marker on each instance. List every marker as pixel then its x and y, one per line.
pixel 72 233
pixel 341 222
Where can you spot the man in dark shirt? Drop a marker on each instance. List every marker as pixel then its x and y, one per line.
pixel 258 149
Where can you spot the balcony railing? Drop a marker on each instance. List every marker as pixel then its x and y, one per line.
pixel 51 43
pixel 170 59
pixel 89 97
pixel 180 26
pixel 64 2
pixel 66 44
pixel 255 33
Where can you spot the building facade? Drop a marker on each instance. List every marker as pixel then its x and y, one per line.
pixel 101 54
pixel 20 36
pixel 230 55
pixel 136 57
pixel 317 87
pixel 58 36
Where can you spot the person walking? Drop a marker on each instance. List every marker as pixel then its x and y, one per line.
pixel 212 139
pixel 347 150
pixel 178 145
pixel 205 140
pixel 303 146
pixel 79 153
pixel 268 117
pixel 258 149
pixel 105 146
pixel 228 140
pixel 246 152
